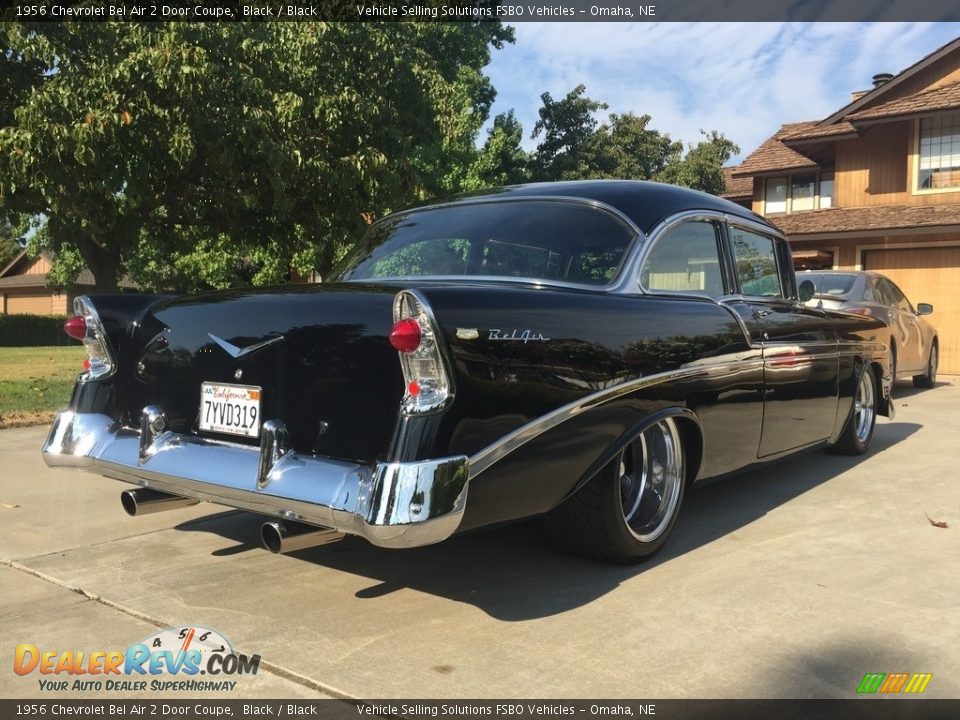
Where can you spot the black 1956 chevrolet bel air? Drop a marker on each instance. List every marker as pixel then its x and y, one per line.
pixel 584 351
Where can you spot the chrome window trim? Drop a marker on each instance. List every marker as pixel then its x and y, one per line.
pixel 484 280
pixel 773 236
pixel 615 285
pixel 672 221
pixel 662 229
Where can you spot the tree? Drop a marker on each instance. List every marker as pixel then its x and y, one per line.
pixel 627 148
pixel 574 147
pixel 10 246
pixel 501 160
pixel 567 127
pixel 212 154
pixel 701 167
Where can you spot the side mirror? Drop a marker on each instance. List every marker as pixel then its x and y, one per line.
pixel 924 308
pixel 807 290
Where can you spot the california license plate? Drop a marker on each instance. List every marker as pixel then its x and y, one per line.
pixel 232 409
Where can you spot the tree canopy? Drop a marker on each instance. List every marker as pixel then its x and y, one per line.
pixel 189 156
pixel 206 155
pixel 574 145
pixel 9 242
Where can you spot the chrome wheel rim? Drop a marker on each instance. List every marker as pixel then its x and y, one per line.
pixel 863 407
pixel 650 480
pixel 934 359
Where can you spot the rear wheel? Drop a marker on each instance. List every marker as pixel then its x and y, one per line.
pixel 625 513
pixel 858 431
pixel 929 379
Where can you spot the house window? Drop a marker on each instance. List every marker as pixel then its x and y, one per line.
pixel 826 190
pixel 775 199
pixel 798 193
pixel 802 192
pixel 939 152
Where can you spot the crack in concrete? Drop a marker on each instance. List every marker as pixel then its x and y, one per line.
pixel 272 668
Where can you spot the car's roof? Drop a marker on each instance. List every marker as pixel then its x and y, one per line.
pixel 645 203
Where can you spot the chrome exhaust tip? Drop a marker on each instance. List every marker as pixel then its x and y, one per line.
pixel 144 501
pixel 283 536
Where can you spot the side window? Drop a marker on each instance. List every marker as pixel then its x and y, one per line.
pixel 897 298
pixel 685 259
pixel 756 260
pixel 880 293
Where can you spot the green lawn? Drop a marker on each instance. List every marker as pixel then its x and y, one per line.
pixel 35 382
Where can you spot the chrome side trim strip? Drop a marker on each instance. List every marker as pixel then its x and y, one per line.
pixel 715 367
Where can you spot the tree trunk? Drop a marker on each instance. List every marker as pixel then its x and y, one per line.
pixel 104 264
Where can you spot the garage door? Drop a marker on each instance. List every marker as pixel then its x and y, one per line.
pixel 29 303
pixel 928 275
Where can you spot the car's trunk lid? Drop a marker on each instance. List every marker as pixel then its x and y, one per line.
pixel 319 356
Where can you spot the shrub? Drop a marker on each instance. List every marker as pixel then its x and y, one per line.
pixel 32 330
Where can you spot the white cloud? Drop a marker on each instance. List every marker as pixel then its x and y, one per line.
pixel 742 79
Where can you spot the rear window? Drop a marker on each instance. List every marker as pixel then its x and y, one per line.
pixel 535 239
pixel 829 284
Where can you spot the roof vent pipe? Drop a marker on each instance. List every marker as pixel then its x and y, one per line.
pixel 881 79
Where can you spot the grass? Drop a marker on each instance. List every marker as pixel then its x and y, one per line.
pixel 35 382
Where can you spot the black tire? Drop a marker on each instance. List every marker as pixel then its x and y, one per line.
pixel 858 432
pixel 619 516
pixel 893 364
pixel 929 378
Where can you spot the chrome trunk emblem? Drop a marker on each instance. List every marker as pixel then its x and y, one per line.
pixel 237 352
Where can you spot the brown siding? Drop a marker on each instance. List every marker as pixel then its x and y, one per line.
pixel 928 275
pixel 945 71
pixel 34 303
pixel 39 266
pixel 872 170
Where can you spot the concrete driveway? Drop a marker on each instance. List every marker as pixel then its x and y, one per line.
pixel 791 581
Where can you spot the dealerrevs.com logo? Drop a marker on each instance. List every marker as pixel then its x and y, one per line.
pixel 192 658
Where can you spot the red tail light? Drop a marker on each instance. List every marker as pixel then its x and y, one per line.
pixel 427 383
pixel 858 311
pixel 405 335
pixel 76 327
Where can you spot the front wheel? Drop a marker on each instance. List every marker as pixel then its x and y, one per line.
pixel 858 431
pixel 625 513
pixel 929 378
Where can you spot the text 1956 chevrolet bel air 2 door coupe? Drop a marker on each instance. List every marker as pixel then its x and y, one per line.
pixel 584 351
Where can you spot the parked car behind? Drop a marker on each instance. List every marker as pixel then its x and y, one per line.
pixel 581 350
pixel 913 340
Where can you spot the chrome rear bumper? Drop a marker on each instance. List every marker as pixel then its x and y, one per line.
pixel 401 504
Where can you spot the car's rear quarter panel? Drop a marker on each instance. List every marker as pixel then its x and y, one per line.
pixel 693 351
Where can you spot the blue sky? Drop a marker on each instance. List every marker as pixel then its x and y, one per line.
pixel 742 79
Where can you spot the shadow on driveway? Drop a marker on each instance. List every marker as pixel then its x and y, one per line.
pixel 513 573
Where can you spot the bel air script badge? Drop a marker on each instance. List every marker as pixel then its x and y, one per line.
pixel 516 335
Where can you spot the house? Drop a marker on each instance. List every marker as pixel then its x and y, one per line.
pixel 876 185
pixel 23 288
pixel 737 189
